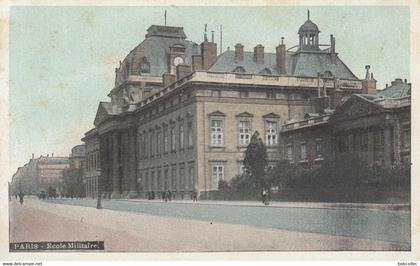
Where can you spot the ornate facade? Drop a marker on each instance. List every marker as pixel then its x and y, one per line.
pixel 181 116
pixel 376 128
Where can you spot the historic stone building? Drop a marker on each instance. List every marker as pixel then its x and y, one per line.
pixel 181 115
pixel 39 174
pixel 376 128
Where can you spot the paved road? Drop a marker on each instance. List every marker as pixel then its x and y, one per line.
pixel 138 232
pixel 391 226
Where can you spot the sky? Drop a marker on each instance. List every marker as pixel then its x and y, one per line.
pixel 63 59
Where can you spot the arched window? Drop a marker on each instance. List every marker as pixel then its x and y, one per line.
pixel 328 74
pixel 239 69
pixel 144 65
pixel 266 71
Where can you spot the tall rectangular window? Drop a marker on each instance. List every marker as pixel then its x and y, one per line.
pixel 303 154
pixel 190 133
pixel 158 142
pixel 151 143
pixel 318 149
pixel 181 136
pixel 244 132
pixel 173 138
pixel 190 176
pixel 173 176
pixel 165 140
pixel 146 180
pixel 271 133
pixel 159 179
pixel 181 176
pixel 406 137
pixel 217 174
pixel 216 135
pixel 290 152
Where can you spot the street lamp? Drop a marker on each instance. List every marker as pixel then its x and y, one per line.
pixel 99 202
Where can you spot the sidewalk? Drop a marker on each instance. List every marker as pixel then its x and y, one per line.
pixel 276 204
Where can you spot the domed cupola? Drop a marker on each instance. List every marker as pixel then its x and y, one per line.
pixel 308 36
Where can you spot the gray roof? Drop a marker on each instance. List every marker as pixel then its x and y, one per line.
pixel 397 90
pixel 156 50
pixel 308 26
pixel 297 64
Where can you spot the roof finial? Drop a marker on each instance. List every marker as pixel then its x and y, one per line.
pixel 308 14
pixel 367 72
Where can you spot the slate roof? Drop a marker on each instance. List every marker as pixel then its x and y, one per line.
pixel 398 90
pixel 156 50
pixel 306 64
pixel 308 26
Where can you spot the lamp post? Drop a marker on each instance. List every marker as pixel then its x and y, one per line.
pixel 99 202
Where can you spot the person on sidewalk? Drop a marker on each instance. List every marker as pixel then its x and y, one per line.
pixel 21 195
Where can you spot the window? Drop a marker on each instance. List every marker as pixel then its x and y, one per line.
pixel 216 137
pixel 243 93
pixel 158 142
pixel 303 154
pixel 144 65
pixel 217 174
pixel 190 134
pixel 181 136
pixel 312 39
pixel 165 140
pixel 271 133
pixel 271 94
pixel 239 70
pixel 159 179
pixel 173 138
pixel 190 184
pixel 364 141
pixel 173 176
pixel 318 149
pixel 146 179
pixel 290 152
pixel 182 176
pixel 406 138
pixel 216 93
pixel 244 132
pixel 145 144
pixel 151 143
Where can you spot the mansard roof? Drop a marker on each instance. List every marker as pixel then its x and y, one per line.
pixel 156 49
pixel 306 64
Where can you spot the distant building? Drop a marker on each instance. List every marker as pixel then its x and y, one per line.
pixel 181 115
pixel 71 182
pixel 376 127
pixel 39 174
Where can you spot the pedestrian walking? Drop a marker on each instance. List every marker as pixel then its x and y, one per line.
pixel 21 195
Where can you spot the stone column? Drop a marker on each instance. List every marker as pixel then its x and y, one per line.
pixel 115 166
pixel 371 145
pixel 132 144
pixel 388 154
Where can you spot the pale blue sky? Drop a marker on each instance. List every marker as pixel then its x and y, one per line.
pixel 62 59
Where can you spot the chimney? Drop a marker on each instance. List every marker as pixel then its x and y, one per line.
pixel 52 154
pixel 33 156
pixel 239 52
pixel 333 53
pixel 208 54
pixel 281 57
pixel 168 79
pixel 259 54
pixel 396 81
pixel 369 83
pixel 197 63
pixel 182 71
pixel 405 81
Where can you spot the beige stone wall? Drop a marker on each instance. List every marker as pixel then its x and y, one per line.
pixel 227 108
